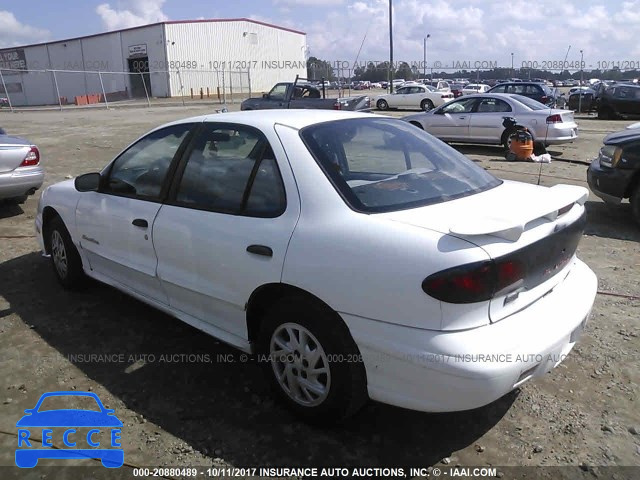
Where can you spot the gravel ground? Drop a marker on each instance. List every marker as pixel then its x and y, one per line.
pixel 186 407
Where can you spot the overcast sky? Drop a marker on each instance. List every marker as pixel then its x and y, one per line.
pixel 460 30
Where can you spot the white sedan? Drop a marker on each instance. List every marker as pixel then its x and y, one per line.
pixel 360 256
pixel 478 119
pixel 472 88
pixel 419 96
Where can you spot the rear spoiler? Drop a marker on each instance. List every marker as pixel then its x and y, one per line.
pixel 559 197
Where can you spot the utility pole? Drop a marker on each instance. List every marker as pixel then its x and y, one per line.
pixel 424 62
pixel 390 46
pixel 581 82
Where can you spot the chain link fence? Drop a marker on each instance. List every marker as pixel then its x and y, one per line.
pixel 60 89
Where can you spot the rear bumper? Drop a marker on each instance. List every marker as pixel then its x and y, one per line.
pixel 609 184
pixel 449 371
pixel 561 134
pixel 21 181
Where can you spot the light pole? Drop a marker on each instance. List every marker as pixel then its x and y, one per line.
pixel 581 82
pixel 512 72
pixel 424 63
pixel 390 46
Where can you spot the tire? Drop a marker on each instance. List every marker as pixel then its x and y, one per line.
pixel 426 105
pixel 605 113
pixel 504 140
pixel 635 204
pixel 65 259
pixel 340 389
pixel 382 105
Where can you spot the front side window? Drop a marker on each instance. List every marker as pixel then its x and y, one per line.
pixel 232 169
pixel 140 171
pixel 460 106
pixel 279 91
pixel 382 164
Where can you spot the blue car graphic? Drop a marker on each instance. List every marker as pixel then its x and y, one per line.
pixel 28 457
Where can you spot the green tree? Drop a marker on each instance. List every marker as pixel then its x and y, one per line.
pixel 317 69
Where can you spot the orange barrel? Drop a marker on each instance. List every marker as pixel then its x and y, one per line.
pixel 522 144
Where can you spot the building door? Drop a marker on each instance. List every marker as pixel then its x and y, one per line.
pixel 140 65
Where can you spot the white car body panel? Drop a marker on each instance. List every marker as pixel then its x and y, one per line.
pixel 413 100
pixel 367 267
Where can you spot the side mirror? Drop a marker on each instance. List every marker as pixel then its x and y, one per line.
pixel 89 182
pixel 265 95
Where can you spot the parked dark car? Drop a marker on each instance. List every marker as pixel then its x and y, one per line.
pixel 587 104
pixel 615 174
pixel 619 100
pixel 538 91
pixel 456 89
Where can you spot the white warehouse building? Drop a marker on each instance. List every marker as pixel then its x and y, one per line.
pixel 166 59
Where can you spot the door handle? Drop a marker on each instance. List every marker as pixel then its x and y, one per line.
pixel 260 250
pixel 140 222
pixel 462 118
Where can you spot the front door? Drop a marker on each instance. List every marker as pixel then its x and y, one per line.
pixel 115 224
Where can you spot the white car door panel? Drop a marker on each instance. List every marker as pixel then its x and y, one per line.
pixel 114 225
pixel 218 240
pixel 114 246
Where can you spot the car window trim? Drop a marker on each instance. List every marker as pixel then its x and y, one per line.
pixel 171 198
pixel 164 189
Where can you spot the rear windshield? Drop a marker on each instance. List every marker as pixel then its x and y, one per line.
pixel 384 164
pixel 530 102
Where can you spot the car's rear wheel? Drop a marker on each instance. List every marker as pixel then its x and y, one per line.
pixel 504 140
pixel 311 361
pixel 65 259
pixel 605 113
pixel 382 105
pixel 426 105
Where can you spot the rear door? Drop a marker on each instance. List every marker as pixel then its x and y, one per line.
pixel 486 121
pixel 225 228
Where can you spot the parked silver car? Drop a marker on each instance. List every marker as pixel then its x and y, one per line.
pixel 478 119
pixel 20 171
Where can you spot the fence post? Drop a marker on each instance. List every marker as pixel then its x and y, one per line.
pixel 104 93
pixel 231 86
pixel 55 82
pixel 181 87
pixel 144 84
pixel 249 80
pixel 241 92
pixel 4 86
pixel 224 90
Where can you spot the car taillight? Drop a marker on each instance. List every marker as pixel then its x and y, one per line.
pixel 474 282
pixel 32 158
pixel 337 106
pixel 565 209
pixel 556 118
pixel 544 99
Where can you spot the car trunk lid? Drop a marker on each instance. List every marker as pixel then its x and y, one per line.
pixel 13 150
pixel 537 227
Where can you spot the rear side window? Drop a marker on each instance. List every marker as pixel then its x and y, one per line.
pixel 382 164
pixel 232 169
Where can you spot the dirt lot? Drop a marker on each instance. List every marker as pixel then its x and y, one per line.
pixel 182 412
